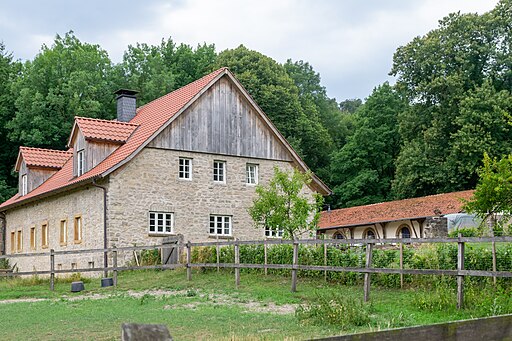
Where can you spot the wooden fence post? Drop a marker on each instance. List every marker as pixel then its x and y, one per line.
pixel 367 278
pixel 460 278
pixel 295 264
pixel 401 264
pixel 52 269
pixel 189 258
pixel 325 261
pixel 237 265
pixel 266 259
pixel 114 263
pixel 494 259
pixel 218 255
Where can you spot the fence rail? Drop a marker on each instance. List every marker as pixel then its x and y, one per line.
pixel 367 270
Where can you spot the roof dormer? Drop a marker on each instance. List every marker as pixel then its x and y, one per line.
pixel 93 140
pixel 36 165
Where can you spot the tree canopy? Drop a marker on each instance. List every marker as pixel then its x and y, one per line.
pixel 426 134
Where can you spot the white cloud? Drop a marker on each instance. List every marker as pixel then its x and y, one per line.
pixel 351 43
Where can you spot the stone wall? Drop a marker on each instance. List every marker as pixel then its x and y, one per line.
pixel 87 202
pixel 2 233
pixel 436 227
pixel 150 183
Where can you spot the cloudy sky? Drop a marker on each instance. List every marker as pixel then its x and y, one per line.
pixel 349 42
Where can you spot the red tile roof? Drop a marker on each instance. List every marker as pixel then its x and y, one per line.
pixel 422 207
pixel 149 119
pixel 104 130
pixel 38 157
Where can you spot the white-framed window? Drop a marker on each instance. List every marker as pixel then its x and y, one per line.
pixel 185 168
pixel 24 184
pixel 161 222
pixel 80 162
pixel 251 171
pixel 220 225
pixel 271 233
pixel 219 171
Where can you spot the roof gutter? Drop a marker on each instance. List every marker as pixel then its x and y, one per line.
pixel 105 241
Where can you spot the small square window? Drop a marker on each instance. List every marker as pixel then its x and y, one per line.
pixel 271 233
pixel 251 171
pixel 161 222
pixel 219 171
pixel 185 168
pixel 220 225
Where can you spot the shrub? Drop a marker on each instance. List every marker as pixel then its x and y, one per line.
pixel 335 309
pixel 465 232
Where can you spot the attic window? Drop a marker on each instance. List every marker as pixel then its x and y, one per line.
pixel 24 184
pixel 80 162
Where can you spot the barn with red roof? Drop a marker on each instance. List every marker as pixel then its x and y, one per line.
pixel 185 164
pixel 408 218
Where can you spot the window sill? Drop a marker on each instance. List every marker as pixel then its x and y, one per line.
pixel 63 244
pixel 161 234
pixel 44 247
pixel 77 242
pixel 220 237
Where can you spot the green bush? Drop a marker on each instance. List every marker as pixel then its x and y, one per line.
pixel 465 232
pixel 335 309
pixel 423 256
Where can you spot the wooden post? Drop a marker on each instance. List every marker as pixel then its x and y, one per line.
pixel 494 259
pixel 266 259
pixel 237 265
pixel 401 264
pixel 460 278
pixel 325 261
pixel 367 278
pixel 114 263
pixel 218 255
pixel 189 258
pixel 52 269
pixel 295 263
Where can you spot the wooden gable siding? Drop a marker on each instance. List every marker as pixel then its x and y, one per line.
pixel 94 152
pixel 222 121
pixel 35 176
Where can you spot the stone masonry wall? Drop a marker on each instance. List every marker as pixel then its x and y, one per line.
pixel 87 202
pixel 150 183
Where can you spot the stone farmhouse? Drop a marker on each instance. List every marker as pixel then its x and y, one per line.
pixel 184 164
pixel 423 217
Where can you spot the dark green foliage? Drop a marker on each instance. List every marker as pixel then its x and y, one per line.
pixel 335 309
pixel 465 232
pixel 157 70
pixel 68 79
pixel 427 256
pixel 9 70
pixel 458 80
pixel 364 168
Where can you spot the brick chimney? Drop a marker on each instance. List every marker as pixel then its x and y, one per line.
pixel 126 104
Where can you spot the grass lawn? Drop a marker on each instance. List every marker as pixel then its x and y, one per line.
pixel 208 307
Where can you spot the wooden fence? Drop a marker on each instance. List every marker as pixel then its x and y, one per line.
pixel 367 270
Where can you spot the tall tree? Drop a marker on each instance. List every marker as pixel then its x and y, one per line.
pixel 437 73
pixel 363 169
pixel 9 70
pixel 155 70
pixel 282 205
pixel 68 79
pixel 275 91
